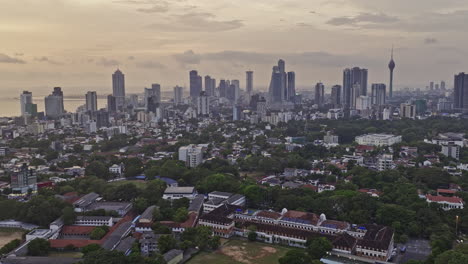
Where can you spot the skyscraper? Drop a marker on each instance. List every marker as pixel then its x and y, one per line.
pixel 391 66
pixel 279 90
pixel 378 96
pixel 25 100
pixel 223 88
pixel 431 86
pixel 195 84
pixel 156 87
pixel 54 103
pixel 210 86
pixel 336 95
pixel 118 88
pixel 178 95
pixel 91 101
pixel 351 78
pixel 319 94
pixel 442 85
pixel 460 95
pixel 236 84
pixel 111 104
pixel 23 178
pixel 291 85
pixel 203 106
pixel 249 82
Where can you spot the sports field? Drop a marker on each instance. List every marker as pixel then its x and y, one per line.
pixel 241 252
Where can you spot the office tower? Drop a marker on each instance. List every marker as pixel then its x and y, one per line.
pixel 23 179
pixel 352 77
pixel 354 94
pixel 408 110
pixel 203 106
pixel 195 84
pixel 261 107
pixel 231 92
pixel 291 85
pixel 111 104
pixel 319 94
pixel 25 100
pixel 102 118
pixel 421 106
pixel 118 88
pixel 276 91
pixel 236 84
pixel 249 82
pixel 442 85
pixel 391 66
pixel 54 103
pixel 431 86
pixel 236 112
pixel 436 86
pixel 336 95
pixel 178 95
pixel 156 92
pixel 223 87
pixel 133 100
pixel 91 101
pixel 363 103
pixel 210 85
pixel 460 94
pixel 378 96
pixel 192 155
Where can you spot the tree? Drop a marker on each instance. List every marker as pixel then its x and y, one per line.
pixel 10 246
pixel 98 169
pixel 97 233
pixel 166 243
pixel 295 256
pixel 181 215
pixel 252 236
pixel 318 247
pixel 68 215
pixel 90 248
pixel 38 247
pixel 140 204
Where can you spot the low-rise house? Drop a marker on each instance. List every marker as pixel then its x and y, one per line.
pixel 94 221
pixel 174 256
pixel 447 203
pixel 172 193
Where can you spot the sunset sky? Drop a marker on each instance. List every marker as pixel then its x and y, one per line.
pixel 79 43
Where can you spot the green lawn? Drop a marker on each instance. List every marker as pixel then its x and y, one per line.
pixel 59 254
pixel 139 184
pixel 241 252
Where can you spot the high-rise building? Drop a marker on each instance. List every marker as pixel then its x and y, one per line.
pixel 279 90
pixel 91 101
pixel 195 84
pixel 118 88
pixel 351 78
pixel 54 103
pixel 223 87
pixel 203 106
pixel 460 95
pixel 436 86
pixel 408 110
pixel 249 82
pixel 25 100
pixel 442 85
pixel 319 94
pixel 431 86
pixel 378 96
pixel 210 84
pixel 178 95
pixel 291 85
pixel 391 66
pixel 23 179
pixel 236 84
pixel 231 92
pixel 336 96
pixel 111 104
pixel 102 118
pixel 156 92
pixel 363 102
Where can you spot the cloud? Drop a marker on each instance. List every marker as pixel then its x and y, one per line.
pixel 7 59
pixel 130 58
pixel 161 7
pixel 323 59
pixel 150 65
pixel 430 41
pixel 197 22
pixel 188 57
pixel 107 62
pixel 19 54
pixel 362 18
pixel 46 59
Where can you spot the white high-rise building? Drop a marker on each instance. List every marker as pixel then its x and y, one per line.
pixel 25 99
pixel 192 155
pixel 203 106
pixel 54 103
pixel 91 101
pixel 378 94
pixel 178 95
pixel 363 103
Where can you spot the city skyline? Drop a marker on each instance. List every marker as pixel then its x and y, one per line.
pixel 342 37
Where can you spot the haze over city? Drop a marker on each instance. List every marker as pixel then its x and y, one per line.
pixel 77 44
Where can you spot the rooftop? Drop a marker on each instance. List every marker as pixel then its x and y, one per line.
pixel 174 190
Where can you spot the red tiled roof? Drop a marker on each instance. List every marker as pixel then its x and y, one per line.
pixel 268 214
pixel 190 222
pixel 310 186
pixel 77 230
pixel 446 191
pixel 444 199
pixel 313 218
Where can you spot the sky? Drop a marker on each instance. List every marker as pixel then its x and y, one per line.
pixel 77 44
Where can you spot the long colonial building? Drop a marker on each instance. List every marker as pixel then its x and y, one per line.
pixel 294 228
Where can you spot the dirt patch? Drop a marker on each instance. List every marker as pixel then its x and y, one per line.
pixel 5 238
pixel 240 254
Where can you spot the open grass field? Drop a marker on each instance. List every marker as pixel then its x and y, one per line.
pixel 241 252
pixel 139 184
pixel 7 235
pixel 58 254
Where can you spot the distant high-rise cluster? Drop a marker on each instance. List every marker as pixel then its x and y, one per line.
pixel 195 84
pixel 91 101
pixel 282 84
pixel 54 103
pixel 118 88
pixel 354 85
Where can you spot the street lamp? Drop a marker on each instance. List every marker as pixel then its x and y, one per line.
pixel 456 226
